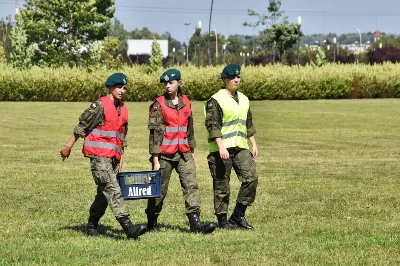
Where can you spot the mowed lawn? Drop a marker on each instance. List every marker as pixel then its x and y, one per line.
pixel 328 194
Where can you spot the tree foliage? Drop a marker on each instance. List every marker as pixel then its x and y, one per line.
pixel 385 54
pixel 63 28
pixel 194 42
pixel 234 44
pixel 275 14
pixel 5 30
pixel 118 30
pixel 284 35
pixel 2 54
pixel 388 41
pixel 93 57
pixel 22 53
pixel 109 53
pixel 155 61
pixel 320 59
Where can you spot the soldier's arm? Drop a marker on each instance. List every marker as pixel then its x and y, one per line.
pixel 90 119
pixel 66 151
pixel 213 120
pixel 250 134
pixel 190 133
pixel 125 144
pixel 156 128
pixel 249 124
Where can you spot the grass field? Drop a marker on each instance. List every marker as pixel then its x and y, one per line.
pixel 329 190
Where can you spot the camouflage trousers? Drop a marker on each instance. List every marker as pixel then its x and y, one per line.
pixel 245 167
pixel 186 170
pixel 104 171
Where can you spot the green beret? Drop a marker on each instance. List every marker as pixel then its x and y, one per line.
pixel 170 74
pixel 116 79
pixel 231 71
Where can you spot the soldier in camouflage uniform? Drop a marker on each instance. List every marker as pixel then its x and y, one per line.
pixel 229 124
pixel 104 126
pixel 171 145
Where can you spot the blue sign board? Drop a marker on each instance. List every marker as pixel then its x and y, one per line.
pixel 140 185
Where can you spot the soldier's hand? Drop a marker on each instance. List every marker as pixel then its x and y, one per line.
pixel 65 152
pixel 156 166
pixel 193 155
pixel 255 152
pixel 224 154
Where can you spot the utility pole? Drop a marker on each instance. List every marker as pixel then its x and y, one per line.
pixel 216 44
pixel 187 38
pixel 209 32
pixel 198 31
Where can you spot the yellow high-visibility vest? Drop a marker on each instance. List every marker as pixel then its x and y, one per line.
pixel 234 130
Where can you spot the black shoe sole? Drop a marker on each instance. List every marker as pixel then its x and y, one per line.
pixel 92 232
pixel 240 226
pixel 209 230
pixel 138 232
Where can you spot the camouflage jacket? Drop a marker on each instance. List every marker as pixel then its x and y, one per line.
pixel 156 126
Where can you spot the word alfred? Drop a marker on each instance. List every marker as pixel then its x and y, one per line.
pixel 139 191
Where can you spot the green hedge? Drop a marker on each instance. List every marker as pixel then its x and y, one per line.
pixel 259 83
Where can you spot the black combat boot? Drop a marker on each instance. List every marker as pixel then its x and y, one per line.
pixel 197 227
pixel 152 222
pixel 223 222
pixel 238 218
pixel 241 222
pixel 91 227
pixel 132 231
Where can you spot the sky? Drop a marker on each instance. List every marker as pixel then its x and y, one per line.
pixel 318 16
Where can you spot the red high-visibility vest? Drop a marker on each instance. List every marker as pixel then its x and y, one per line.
pixel 107 140
pixel 176 123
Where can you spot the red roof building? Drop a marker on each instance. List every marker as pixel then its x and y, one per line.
pixel 377 35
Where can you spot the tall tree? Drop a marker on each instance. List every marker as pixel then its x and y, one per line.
pixel 22 53
pixel 118 30
pixel 2 54
pixel 109 55
pixel 275 13
pixel 5 30
pixel 285 35
pixel 235 44
pixel 155 61
pixel 172 43
pixel 194 45
pixel 63 28
pixel 274 28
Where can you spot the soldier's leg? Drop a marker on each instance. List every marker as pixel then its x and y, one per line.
pixel 112 192
pixel 96 211
pixel 154 205
pixel 104 171
pixel 186 170
pixel 245 168
pixel 99 205
pixel 220 172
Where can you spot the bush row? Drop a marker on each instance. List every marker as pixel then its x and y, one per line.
pixel 259 83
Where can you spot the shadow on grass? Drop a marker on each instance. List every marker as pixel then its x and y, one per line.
pixel 118 234
pixel 104 230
